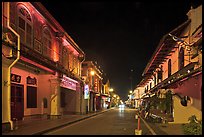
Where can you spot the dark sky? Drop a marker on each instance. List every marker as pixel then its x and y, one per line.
pixel 120 36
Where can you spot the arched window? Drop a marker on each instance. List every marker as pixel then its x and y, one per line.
pixel 169 68
pixel 159 74
pixel 46 39
pixel 181 58
pixel 25 25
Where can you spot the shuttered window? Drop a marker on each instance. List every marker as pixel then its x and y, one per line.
pixel 25 26
pixel 31 97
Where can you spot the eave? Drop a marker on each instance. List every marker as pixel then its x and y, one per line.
pixel 165 48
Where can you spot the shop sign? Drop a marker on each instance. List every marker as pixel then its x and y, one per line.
pixel 69 83
pixel 86 92
pixel 31 81
pixel 15 78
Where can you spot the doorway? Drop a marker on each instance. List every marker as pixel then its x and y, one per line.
pixel 17 102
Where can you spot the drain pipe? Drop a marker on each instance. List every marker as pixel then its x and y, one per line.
pixel 12 64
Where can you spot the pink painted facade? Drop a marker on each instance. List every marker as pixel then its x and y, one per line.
pixel 47 77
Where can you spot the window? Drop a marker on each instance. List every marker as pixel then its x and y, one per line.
pixel 159 74
pixel 169 68
pixel 37 46
pixel 155 82
pixel 64 57
pixel 25 26
pixel 46 43
pixel 181 58
pixel 31 97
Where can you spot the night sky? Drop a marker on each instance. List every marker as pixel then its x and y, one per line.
pixel 120 36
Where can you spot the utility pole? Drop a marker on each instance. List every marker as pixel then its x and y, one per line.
pixel 131 78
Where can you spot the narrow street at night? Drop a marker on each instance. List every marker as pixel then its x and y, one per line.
pixel 102 68
pixel 119 121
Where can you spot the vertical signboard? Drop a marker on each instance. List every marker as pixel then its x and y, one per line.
pixel 86 92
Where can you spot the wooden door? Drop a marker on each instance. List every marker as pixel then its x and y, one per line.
pixel 17 102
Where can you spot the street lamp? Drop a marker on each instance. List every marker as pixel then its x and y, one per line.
pixel 111 89
pixel 130 91
pixel 92 72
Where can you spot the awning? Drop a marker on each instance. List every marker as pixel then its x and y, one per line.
pixel 191 86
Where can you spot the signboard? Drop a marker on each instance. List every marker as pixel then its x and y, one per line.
pixel 86 92
pixel 15 78
pixel 31 81
pixel 69 83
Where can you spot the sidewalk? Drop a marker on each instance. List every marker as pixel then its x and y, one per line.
pixel 171 128
pixel 164 128
pixel 38 126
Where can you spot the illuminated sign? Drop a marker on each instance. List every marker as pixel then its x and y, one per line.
pixel 69 83
pixel 86 92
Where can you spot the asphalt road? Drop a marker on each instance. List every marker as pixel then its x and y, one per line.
pixel 114 122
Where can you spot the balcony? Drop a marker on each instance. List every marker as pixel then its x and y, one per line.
pixel 169 82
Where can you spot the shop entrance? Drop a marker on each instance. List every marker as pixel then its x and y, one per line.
pixel 17 102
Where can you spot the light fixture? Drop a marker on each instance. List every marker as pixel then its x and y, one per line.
pixel 111 89
pixel 92 73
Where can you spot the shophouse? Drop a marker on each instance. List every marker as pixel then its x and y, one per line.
pixel 105 94
pixel 172 79
pixel 41 65
pixel 138 93
pixel 92 75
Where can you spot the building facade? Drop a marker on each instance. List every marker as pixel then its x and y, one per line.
pixel 105 94
pixel 173 76
pixel 92 75
pixel 41 65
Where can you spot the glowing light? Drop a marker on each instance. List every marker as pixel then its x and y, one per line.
pixel 111 89
pixel 55 55
pixel 67 82
pixel 92 73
